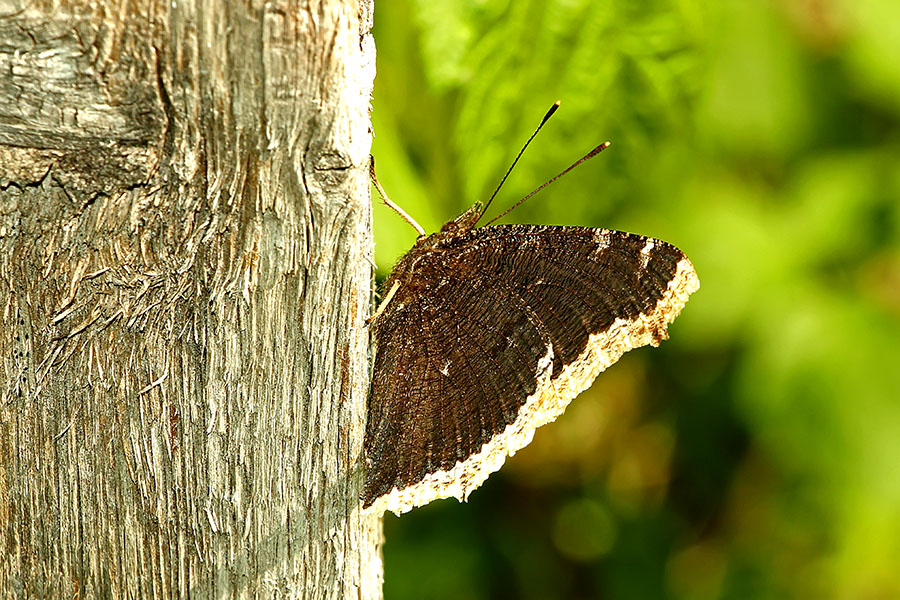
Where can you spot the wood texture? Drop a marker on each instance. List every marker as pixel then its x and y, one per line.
pixel 184 275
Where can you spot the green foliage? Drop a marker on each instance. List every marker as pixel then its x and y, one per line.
pixel 755 453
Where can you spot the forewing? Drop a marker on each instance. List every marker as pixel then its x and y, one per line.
pixel 508 325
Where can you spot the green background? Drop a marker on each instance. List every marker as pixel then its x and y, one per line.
pixel 756 454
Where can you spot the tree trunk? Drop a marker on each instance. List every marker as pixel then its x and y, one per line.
pixel 184 277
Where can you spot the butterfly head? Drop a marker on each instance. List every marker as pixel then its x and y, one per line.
pixel 464 222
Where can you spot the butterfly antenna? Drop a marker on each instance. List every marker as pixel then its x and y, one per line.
pixel 544 120
pixel 390 203
pixel 590 154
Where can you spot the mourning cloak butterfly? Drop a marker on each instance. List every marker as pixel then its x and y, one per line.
pixel 486 334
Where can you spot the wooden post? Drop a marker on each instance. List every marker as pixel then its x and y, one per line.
pixel 184 277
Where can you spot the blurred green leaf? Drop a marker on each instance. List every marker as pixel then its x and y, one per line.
pixel 753 454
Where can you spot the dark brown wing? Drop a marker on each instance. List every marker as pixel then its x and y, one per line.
pixel 491 335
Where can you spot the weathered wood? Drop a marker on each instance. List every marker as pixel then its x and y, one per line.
pixel 184 277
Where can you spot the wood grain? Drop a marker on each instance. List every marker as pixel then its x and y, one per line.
pixel 184 274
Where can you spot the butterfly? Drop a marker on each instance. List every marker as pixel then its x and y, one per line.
pixel 487 333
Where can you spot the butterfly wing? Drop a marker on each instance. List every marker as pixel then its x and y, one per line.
pixel 490 334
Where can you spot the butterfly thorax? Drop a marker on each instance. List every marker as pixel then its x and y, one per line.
pixel 426 265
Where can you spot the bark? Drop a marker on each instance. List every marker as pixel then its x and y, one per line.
pixel 184 276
